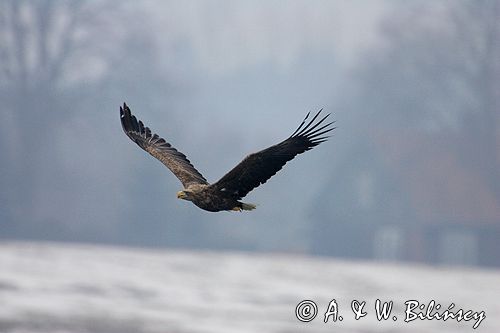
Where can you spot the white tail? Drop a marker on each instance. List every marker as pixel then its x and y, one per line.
pixel 248 206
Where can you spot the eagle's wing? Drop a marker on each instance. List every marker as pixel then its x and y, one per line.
pixel 257 168
pixel 160 149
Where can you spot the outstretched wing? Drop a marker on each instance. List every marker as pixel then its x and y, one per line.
pixel 160 149
pixel 257 168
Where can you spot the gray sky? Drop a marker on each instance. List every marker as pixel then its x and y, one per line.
pixel 257 69
pixel 222 79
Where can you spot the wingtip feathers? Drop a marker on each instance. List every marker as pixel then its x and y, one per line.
pixel 312 131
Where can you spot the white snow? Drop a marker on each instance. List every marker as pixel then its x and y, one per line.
pixel 49 287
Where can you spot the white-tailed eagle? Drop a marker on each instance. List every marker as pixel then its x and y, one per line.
pixel 254 170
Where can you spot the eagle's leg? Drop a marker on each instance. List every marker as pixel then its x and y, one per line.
pixel 236 209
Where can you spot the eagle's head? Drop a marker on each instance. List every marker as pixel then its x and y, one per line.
pixel 186 195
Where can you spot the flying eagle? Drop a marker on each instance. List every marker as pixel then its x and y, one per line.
pixel 255 169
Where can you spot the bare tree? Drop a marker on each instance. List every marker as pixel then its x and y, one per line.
pixel 477 29
pixel 52 52
pixel 437 72
pixel 439 69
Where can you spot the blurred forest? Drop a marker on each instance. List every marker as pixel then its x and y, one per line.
pixel 63 67
pixel 420 176
pixel 410 174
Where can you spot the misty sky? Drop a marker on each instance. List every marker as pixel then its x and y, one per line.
pixel 222 79
pixel 253 70
pixel 256 69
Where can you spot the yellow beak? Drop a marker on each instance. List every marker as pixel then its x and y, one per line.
pixel 181 195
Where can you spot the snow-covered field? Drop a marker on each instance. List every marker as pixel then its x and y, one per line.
pixel 47 287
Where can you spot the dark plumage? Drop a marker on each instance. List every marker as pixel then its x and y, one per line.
pixel 254 170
